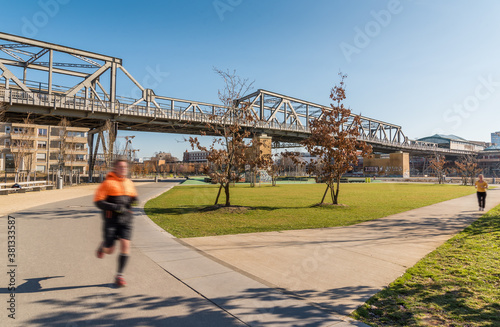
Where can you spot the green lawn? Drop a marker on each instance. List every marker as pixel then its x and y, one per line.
pixel 456 285
pixel 286 207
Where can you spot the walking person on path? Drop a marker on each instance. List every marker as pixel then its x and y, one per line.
pixel 115 197
pixel 481 187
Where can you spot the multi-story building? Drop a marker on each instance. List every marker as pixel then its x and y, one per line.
pixel 495 138
pixel 42 148
pixel 195 156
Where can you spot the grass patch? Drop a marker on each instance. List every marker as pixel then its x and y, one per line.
pixel 456 285
pixel 285 207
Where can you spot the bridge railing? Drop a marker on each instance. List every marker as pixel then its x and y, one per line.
pixel 171 111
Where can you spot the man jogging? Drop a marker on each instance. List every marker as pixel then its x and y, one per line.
pixel 115 196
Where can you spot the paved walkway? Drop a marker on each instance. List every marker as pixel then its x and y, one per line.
pixel 214 281
pixel 340 268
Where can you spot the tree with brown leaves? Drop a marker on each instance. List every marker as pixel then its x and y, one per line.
pixel 228 150
pixel 468 169
pixel 437 164
pixel 334 142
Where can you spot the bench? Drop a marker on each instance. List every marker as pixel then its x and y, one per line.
pixel 41 187
pixel 5 191
pixel 37 188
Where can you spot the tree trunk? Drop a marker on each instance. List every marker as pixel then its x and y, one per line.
pixel 336 193
pixel 323 199
pixel 226 189
pixel 218 194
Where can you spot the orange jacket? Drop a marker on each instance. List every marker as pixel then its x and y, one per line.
pixel 115 196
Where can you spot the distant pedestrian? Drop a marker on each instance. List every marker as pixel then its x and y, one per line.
pixel 481 187
pixel 115 196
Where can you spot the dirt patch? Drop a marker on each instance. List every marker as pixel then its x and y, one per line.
pixel 219 208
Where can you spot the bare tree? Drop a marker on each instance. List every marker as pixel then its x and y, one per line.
pixel 272 167
pixel 227 152
pixel 467 168
pixel 22 146
pixel 437 164
pixel 334 142
pixel 3 109
pixel 63 145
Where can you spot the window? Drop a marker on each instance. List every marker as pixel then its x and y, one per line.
pixel 76 134
pixel 40 168
pixel 41 156
pixel 7 143
pixel 9 161
pixel 7 129
pixel 42 144
pixel 42 132
pixel 20 130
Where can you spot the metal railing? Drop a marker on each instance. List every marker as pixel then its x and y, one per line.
pixel 176 109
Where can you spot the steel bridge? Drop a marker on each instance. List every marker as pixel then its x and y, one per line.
pixel 93 100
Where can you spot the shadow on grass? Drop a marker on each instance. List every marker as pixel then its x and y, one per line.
pixel 489 223
pixel 188 209
pixel 440 307
pixel 444 300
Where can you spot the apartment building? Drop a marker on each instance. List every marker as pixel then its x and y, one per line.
pixel 195 156
pixel 43 147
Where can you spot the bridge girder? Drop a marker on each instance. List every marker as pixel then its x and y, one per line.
pixel 88 102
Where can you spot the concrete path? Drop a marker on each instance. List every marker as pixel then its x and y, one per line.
pixel 294 278
pixel 341 268
pixel 60 282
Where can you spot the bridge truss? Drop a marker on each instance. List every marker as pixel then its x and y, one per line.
pixel 91 100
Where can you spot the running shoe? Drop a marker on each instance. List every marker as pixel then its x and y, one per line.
pixel 120 281
pixel 99 252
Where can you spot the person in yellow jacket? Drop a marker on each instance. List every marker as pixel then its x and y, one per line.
pixel 481 187
pixel 115 197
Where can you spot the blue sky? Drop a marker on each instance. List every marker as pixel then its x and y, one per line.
pixel 428 66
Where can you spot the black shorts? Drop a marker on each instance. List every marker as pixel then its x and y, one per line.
pixel 114 231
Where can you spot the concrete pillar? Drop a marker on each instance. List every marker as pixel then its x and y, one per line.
pixel 397 164
pixel 264 144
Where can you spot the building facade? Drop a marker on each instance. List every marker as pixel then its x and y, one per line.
pixel 453 142
pixel 195 156
pixel 42 148
pixel 495 138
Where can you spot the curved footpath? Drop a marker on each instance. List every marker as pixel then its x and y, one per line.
pixel 291 278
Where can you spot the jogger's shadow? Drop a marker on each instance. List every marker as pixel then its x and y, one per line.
pixel 32 285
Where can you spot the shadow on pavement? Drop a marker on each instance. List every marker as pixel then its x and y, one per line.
pixel 115 309
pixel 32 285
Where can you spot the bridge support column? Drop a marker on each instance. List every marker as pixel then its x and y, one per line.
pixel 107 150
pixel 394 164
pixel 91 161
pixel 264 144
